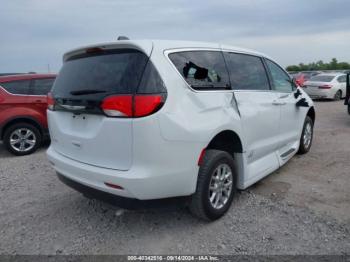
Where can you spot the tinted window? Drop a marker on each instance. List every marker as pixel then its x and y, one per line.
pixel 17 87
pixel 246 72
pixel 42 86
pixel 151 83
pixel 100 74
pixel 322 78
pixel 280 79
pixel 203 70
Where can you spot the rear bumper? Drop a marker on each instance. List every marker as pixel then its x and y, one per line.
pixel 124 202
pixel 138 183
pixel 97 194
pixel 320 93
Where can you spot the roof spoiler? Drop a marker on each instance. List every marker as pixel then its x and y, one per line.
pixel 122 37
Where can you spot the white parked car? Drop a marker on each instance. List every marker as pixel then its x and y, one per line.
pixel 327 85
pixel 159 119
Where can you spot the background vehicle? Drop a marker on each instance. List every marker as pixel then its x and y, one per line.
pixel 301 77
pixel 23 104
pixel 158 119
pixel 328 85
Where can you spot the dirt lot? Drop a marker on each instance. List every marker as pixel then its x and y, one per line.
pixel 304 208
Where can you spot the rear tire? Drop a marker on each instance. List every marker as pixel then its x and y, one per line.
pixel 214 195
pixel 22 139
pixel 306 136
pixel 337 96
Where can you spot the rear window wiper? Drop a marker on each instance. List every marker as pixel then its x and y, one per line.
pixel 86 92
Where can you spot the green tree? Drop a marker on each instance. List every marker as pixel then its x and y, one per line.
pixel 319 65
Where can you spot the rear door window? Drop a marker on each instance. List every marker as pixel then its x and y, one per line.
pixel 247 72
pixel 202 70
pixel 20 87
pixel 94 76
pixel 42 86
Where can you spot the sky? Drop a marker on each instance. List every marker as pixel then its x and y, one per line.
pixel 36 33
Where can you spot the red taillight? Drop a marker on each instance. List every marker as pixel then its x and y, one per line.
pixel 50 101
pixel 131 106
pixel 325 87
pixel 201 156
pixel 93 50
pixel 146 104
pixel 114 186
pixel 120 105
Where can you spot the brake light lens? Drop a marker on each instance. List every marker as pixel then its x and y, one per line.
pixel 325 87
pixel 146 104
pixel 93 50
pixel 118 106
pixel 50 101
pixel 201 156
pixel 114 186
pixel 131 105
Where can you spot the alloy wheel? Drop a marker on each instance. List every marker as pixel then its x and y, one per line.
pixel 307 135
pixel 22 139
pixel 220 186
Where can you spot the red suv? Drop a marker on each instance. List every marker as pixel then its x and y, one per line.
pixel 23 104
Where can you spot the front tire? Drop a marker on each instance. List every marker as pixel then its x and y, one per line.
pixel 216 186
pixel 306 136
pixel 22 139
pixel 337 96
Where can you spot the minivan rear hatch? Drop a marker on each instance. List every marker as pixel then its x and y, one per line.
pixel 79 129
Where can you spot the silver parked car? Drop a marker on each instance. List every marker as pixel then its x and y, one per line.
pixel 328 85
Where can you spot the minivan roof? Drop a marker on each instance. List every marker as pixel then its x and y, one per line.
pixel 147 46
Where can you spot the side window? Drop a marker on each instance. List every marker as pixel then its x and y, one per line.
pixel 42 86
pixel 17 87
pixel 202 70
pixel 341 79
pixel 280 79
pixel 246 72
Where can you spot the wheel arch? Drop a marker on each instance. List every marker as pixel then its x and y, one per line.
pixel 312 114
pixel 226 140
pixel 21 119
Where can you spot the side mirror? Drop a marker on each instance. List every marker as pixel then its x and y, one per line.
pixel 302 103
pixel 297 93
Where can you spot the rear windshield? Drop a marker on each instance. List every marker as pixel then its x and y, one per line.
pixel 94 76
pixel 322 78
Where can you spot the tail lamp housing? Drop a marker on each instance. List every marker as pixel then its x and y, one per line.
pixel 50 101
pixel 132 106
pixel 325 87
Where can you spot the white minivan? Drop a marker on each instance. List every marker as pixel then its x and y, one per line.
pixel 158 119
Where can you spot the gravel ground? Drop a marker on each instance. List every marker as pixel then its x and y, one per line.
pixel 304 208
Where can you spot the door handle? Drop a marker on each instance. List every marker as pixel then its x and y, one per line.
pixel 278 103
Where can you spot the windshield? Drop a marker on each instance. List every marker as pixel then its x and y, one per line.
pixel 94 76
pixel 322 78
